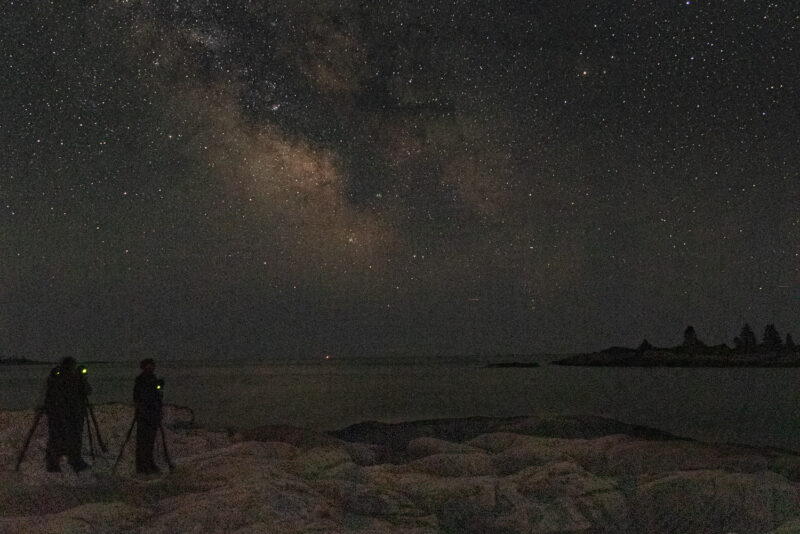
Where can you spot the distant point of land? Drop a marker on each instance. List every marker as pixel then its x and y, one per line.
pixel 22 361
pixel 510 361
pixel 772 351
pixel 504 365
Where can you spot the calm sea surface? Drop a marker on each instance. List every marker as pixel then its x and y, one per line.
pixel 750 406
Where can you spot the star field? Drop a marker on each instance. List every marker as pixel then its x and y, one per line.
pixel 294 178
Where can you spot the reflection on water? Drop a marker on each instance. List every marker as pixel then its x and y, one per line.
pixel 753 406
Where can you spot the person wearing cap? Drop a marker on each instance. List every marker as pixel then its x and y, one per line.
pixel 65 405
pixel 147 402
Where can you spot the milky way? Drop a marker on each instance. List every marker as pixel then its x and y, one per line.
pixel 295 178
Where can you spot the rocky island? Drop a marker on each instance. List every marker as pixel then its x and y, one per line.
pixel 747 352
pixel 530 474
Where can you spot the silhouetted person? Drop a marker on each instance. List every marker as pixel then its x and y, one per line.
pixel 65 405
pixel 147 401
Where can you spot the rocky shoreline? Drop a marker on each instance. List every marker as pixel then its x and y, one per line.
pixel 531 474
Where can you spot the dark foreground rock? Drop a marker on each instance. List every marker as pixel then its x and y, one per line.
pixel 475 475
pixel 390 439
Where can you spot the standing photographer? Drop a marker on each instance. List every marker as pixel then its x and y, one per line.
pixel 147 401
pixel 65 405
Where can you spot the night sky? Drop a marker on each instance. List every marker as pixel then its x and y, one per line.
pixel 292 178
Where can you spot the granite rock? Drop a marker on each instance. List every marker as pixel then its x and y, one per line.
pixel 479 475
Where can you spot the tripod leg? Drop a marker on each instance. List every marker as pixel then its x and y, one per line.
pixel 164 446
pixel 89 433
pixel 122 449
pixel 36 419
pixel 97 430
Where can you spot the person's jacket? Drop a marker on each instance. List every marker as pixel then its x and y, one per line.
pixel 66 395
pixel 147 399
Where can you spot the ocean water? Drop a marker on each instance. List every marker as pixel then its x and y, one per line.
pixel 739 405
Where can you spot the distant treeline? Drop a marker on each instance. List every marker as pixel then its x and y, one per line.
pixel 745 343
pixel 772 351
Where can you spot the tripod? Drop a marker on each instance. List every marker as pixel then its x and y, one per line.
pixel 163 445
pixel 37 417
pixel 88 413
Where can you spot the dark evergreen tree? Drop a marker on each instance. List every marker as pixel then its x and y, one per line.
pixel 645 345
pixel 790 346
pixel 689 337
pixel 746 342
pixel 771 340
pixel 690 341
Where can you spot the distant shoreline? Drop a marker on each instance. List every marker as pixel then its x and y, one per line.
pixel 26 361
pixel 22 361
pixel 667 358
pixel 512 365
